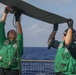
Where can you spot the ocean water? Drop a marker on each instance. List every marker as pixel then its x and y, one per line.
pixel 38 53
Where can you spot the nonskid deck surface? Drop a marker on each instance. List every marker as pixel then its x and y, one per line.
pixel 37 67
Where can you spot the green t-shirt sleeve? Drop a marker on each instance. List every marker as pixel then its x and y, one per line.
pixel 20 43
pixel 2 33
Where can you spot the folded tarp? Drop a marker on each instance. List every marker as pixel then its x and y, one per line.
pixel 35 12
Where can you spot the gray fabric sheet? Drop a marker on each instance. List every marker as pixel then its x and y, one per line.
pixel 35 12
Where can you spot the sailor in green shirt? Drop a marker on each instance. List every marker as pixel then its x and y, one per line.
pixel 11 47
pixel 65 60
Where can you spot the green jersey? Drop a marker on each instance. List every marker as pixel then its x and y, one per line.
pixel 10 52
pixel 64 62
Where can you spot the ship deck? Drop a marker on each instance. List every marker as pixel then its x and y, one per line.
pixel 37 67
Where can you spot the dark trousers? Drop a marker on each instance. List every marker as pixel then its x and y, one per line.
pixel 59 73
pixel 8 72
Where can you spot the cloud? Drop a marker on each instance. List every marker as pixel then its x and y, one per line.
pixel 35 29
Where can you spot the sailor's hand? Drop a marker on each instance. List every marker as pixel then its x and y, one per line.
pixel 7 10
pixel 17 15
pixel 55 27
pixel 70 23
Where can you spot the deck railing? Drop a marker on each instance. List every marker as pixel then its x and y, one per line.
pixel 37 67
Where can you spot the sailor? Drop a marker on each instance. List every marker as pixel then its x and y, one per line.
pixel 65 60
pixel 11 47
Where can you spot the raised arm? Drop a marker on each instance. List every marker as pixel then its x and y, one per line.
pixel 69 36
pixel 6 11
pixel 3 19
pixel 2 25
pixel 17 15
pixel 51 40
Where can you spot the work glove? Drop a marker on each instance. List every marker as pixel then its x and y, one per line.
pixel 55 27
pixel 70 23
pixel 7 10
pixel 17 15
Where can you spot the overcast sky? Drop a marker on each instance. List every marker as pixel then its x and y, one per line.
pixel 36 32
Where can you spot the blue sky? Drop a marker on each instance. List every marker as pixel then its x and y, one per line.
pixel 36 32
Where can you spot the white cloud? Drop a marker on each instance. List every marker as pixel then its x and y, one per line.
pixel 35 29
